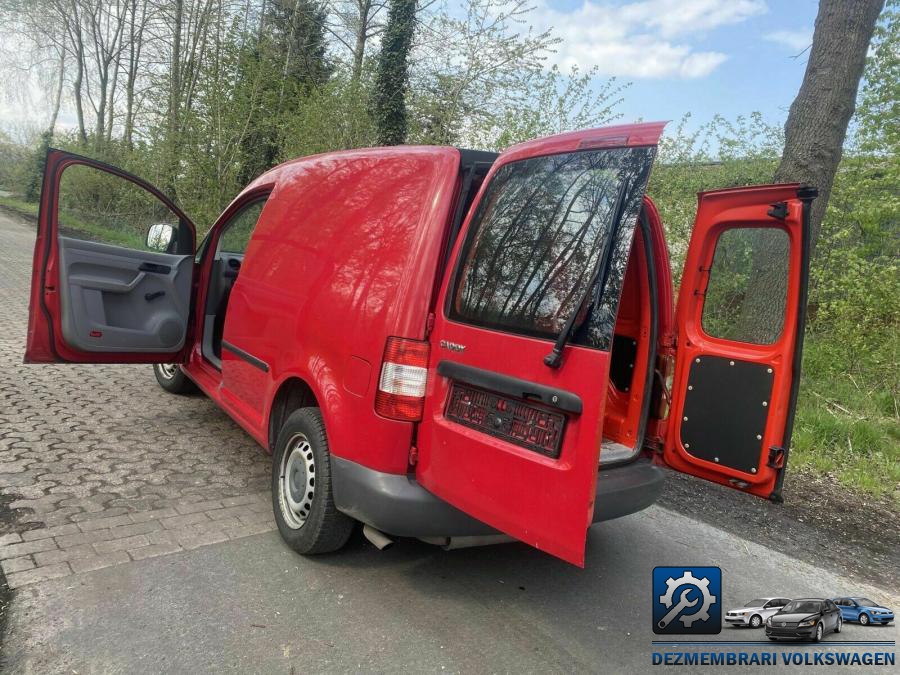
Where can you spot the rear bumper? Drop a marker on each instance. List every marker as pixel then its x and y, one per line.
pixel 398 505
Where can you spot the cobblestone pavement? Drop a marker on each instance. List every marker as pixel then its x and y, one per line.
pixel 99 465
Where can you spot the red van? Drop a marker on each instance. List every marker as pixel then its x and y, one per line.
pixel 448 344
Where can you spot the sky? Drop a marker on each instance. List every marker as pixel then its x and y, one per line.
pixel 703 57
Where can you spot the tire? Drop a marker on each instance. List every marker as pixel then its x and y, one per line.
pixel 755 621
pixel 864 619
pixel 302 497
pixel 173 380
pixel 773 639
pixel 840 625
pixel 820 632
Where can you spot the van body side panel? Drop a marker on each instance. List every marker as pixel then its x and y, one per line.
pixel 344 259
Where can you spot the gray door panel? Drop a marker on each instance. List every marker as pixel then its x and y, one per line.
pixel 110 304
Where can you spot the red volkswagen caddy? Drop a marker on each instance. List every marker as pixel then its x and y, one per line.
pixel 448 344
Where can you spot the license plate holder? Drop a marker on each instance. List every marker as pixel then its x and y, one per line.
pixel 515 421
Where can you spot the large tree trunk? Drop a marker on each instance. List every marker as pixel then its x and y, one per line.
pixel 814 140
pixel 393 73
pixel 818 119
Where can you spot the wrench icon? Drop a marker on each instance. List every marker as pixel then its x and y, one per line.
pixel 680 605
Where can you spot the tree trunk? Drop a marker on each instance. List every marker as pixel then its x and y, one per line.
pixel 57 100
pixel 818 118
pixel 814 139
pixel 173 112
pixel 393 73
pixel 362 35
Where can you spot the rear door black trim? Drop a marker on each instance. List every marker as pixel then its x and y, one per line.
pixel 511 386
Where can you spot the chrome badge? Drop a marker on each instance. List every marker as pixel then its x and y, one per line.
pixel 452 346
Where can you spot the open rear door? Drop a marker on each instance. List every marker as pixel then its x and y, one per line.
pixel 511 427
pixel 113 268
pixel 740 318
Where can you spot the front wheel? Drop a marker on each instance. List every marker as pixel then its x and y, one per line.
pixel 755 621
pixel 864 619
pixel 173 380
pixel 302 496
pixel 840 625
pixel 820 632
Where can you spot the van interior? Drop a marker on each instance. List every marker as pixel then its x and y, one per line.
pixel 630 381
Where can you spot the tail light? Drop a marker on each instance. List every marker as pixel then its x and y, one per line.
pixel 401 387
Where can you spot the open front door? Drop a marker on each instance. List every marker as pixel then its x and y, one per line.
pixel 113 268
pixel 513 413
pixel 740 318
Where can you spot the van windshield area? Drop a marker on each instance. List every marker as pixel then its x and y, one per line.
pixel 537 237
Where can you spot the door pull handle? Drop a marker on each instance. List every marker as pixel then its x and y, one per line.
pixel 150 297
pixel 154 267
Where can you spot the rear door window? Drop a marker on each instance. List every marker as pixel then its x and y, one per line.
pixel 539 233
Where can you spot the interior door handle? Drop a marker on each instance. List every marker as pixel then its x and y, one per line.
pixel 155 268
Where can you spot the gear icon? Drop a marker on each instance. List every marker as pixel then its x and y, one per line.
pixel 701 584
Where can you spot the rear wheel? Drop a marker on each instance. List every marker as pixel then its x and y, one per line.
pixel 302 497
pixel 172 379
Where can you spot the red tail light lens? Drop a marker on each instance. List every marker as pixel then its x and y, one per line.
pixel 401 387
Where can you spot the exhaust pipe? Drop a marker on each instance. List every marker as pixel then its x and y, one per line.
pixel 378 539
pixel 453 543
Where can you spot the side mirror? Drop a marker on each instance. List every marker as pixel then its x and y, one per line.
pixel 159 236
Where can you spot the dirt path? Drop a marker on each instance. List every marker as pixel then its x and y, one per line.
pixel 820 522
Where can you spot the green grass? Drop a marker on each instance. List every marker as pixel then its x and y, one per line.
pixel 70 225
pixel 847 422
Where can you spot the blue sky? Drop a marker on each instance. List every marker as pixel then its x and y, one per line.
pixel 700 56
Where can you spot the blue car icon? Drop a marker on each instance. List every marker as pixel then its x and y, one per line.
pixel 864 611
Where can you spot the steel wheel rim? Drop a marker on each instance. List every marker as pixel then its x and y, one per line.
pixel 296 481
pixel 167 370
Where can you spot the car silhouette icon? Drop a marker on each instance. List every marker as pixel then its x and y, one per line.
pixel 806 619
pixel 755 612
pixel 864 611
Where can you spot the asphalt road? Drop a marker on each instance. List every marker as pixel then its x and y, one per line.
pixel 247 603
pixel 254 606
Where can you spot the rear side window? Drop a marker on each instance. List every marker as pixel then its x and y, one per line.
pixel 747 290
pixel 539 233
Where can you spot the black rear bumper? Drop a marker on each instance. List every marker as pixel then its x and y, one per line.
pixel 398 505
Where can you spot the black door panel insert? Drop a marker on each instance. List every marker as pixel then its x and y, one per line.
pixel 726 408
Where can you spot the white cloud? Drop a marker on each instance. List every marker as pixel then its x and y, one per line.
pixel 636 39
pixel 795 40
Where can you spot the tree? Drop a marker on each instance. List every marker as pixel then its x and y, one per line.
pixel 813 144
pixel 817 122
pixel 392 78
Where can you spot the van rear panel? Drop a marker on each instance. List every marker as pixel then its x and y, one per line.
pixel 344 258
